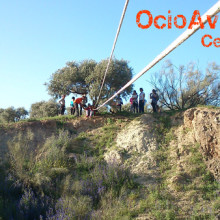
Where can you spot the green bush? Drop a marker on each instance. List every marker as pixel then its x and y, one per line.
pixel 12 114
pixel 44 109
pixel 21 156
pixel 71 207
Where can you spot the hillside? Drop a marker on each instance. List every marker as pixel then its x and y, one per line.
pixel 164 166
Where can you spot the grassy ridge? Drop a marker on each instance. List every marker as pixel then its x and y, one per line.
pixel 67 177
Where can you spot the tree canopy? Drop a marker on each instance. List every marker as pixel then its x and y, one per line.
pixel 44 109
pixel 86 77
pixel 187 87
pixel 12 114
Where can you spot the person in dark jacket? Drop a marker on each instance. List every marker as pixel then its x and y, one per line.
pixel 141 100
pixel 119 103
pixel 154 97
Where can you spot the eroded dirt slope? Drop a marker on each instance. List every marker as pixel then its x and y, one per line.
pixel 205 125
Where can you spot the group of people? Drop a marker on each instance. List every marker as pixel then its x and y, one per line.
pixel 76 106
pixel 137 103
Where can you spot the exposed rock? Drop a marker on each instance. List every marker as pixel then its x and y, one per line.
pixel 188 117
pixel 205 124
pixel 113 156
pixel 135 145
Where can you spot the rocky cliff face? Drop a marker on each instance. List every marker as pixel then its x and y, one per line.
pixel 137 141
pixel 134 147
pixel 205 124
pixel 165 153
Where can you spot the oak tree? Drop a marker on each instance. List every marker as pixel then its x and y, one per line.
pixel 86 77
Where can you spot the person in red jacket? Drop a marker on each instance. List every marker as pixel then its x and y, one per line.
pixel 131 107
pixel 79 103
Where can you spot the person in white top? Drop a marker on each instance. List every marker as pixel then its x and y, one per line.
pixel 141 101
pixel 135 101
pixel 62 105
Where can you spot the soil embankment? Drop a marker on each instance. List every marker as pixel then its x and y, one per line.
pixel 205 124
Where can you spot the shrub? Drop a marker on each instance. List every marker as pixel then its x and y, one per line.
pixel 104 178
pixel 21 156
pixel 188 86
pixel 44 109
pixel 71 207
pixel 12 115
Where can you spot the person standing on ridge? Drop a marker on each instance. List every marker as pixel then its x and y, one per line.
pixel 154 96
pixel 62 105
pixel 131 102
pixel 135 101
pixel 79 103
pixel 85 100
pixel 119 102
pixel 72 105
pixel 141 100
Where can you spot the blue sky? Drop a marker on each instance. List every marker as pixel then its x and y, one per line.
pixel 38 37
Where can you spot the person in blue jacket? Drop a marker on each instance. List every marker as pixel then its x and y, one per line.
pixel 72 105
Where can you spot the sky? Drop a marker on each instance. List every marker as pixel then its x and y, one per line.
pixel 38 37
